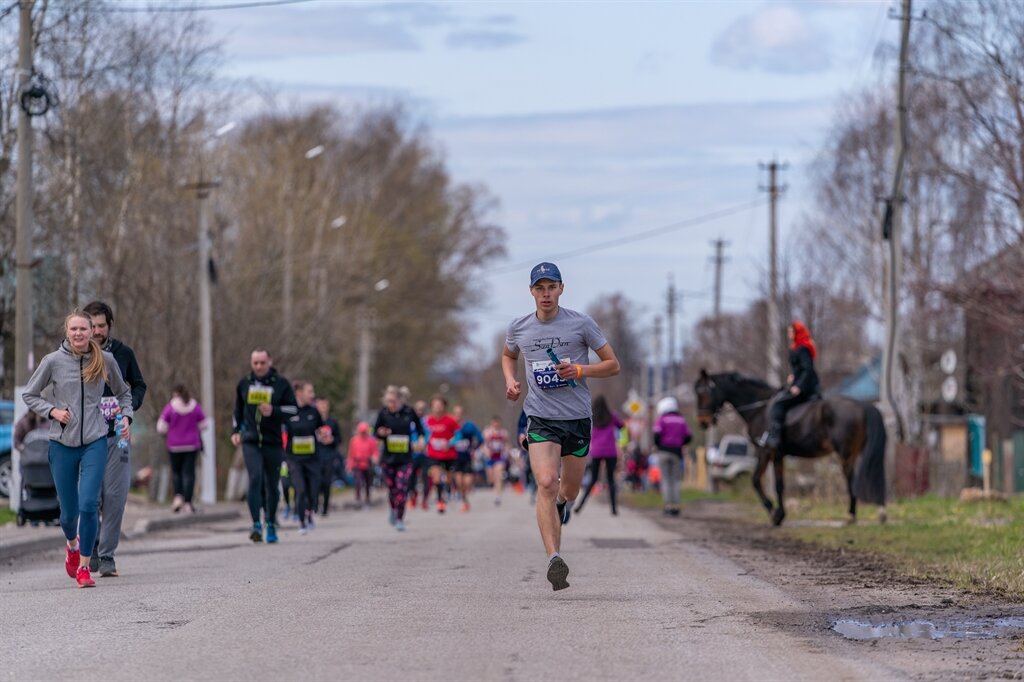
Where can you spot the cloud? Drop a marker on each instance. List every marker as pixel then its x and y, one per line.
pixel 317 31
pixel 483 39
pixel 779 39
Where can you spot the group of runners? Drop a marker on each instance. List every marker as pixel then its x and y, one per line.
pixel 95 387
pixel 425 450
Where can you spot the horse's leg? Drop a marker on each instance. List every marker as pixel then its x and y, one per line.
pixel 852 514
pixel 762 464
pixel 780 511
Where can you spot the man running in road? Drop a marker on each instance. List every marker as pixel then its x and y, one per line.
pixel 440 453
pixel 496 444
pixel 327 450
pixel 117 478
pixel 263 401
pixel 419 476
pixel 558 432
pixel 467 439
pixel 305 428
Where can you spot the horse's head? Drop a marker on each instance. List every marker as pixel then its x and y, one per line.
pixel 709 399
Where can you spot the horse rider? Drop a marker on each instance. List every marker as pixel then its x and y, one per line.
pixel 801 385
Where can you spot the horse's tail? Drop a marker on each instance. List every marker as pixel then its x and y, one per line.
pixel 869 479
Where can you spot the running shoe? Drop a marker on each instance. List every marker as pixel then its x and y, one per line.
pixel 392 517
pixel 425 505
pixel 464 507
pixel 399 525
pixel 413 499
pixel 271 533
pixel 310 521
pixel 107 567
pixel 73 558
pixel 256 534
pixel 441 506
pixel 303 530
pixel 564 511
pixel 83 578
pixel 94 560
pixel 558 572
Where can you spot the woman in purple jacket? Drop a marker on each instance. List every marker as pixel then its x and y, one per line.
pixel 671 435
pixel 604 447
pixel 181 421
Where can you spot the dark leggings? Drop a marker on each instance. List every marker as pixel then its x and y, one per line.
pixel 264 467
pixel 183 473
pixel 609 472
pixel 305 475
pixel 326 480
pixel 363 480
pixel 783 404
pixel 396 478
pixel 418 474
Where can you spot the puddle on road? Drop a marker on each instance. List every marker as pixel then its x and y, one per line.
pixel 974 628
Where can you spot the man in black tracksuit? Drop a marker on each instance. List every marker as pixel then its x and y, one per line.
pixel 327 451
pixel 263 401
pixel 117 478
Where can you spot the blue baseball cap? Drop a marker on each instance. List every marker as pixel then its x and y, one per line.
pixel 545 271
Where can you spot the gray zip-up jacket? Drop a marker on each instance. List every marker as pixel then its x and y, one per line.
pixel 62 370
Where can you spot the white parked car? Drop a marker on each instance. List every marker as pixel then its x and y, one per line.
pixel 733 456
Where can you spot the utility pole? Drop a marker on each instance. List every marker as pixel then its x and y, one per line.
pixel 671 316
pixel 202 190
pixel 719 260
pixel 24 361
pixel 24 358
pixel 892 231
pixel 658 382
pixel 363 365
pixel 774 327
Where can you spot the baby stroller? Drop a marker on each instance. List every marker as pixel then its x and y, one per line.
pixel 38 494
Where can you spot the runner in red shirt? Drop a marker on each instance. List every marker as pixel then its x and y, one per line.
pixel 441 456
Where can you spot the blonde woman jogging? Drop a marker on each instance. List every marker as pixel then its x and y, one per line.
pixel 77 373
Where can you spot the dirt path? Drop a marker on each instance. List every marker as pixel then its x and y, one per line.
pixel 838 585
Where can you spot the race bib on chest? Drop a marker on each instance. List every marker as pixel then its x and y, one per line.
pixel 304 445
pixel 259 395
pixel 544 375
pixel 398 445
pixel 439 443
pixel 108 406
pixel 496 445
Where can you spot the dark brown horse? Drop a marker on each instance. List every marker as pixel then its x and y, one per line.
pixel 853 430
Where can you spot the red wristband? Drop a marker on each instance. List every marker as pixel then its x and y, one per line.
pixel 579 371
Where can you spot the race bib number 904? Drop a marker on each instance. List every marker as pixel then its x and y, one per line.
pixel 259 395
pixel 544 375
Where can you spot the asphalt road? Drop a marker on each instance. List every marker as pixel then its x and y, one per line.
pixel 456 597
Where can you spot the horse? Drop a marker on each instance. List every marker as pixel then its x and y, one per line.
pixel 852 429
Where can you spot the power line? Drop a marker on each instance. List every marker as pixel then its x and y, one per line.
pixel 646 234
pixel 202 8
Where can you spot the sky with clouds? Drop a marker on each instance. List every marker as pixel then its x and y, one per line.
pixel 593 122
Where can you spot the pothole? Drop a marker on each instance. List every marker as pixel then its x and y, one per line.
pixel 972 628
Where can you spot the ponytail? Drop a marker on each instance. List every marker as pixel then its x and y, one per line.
pixel 97 368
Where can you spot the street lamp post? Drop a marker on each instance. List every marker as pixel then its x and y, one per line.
pixel 202 189
pixel 289 251
pixel 365 351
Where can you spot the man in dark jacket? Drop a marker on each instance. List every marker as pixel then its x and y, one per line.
pixel 117 478
pixel 264 400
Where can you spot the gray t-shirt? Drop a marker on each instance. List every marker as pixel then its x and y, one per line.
pixel 571 335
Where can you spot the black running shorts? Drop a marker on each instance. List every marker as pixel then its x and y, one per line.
pixel 572 434
pixel 446 464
